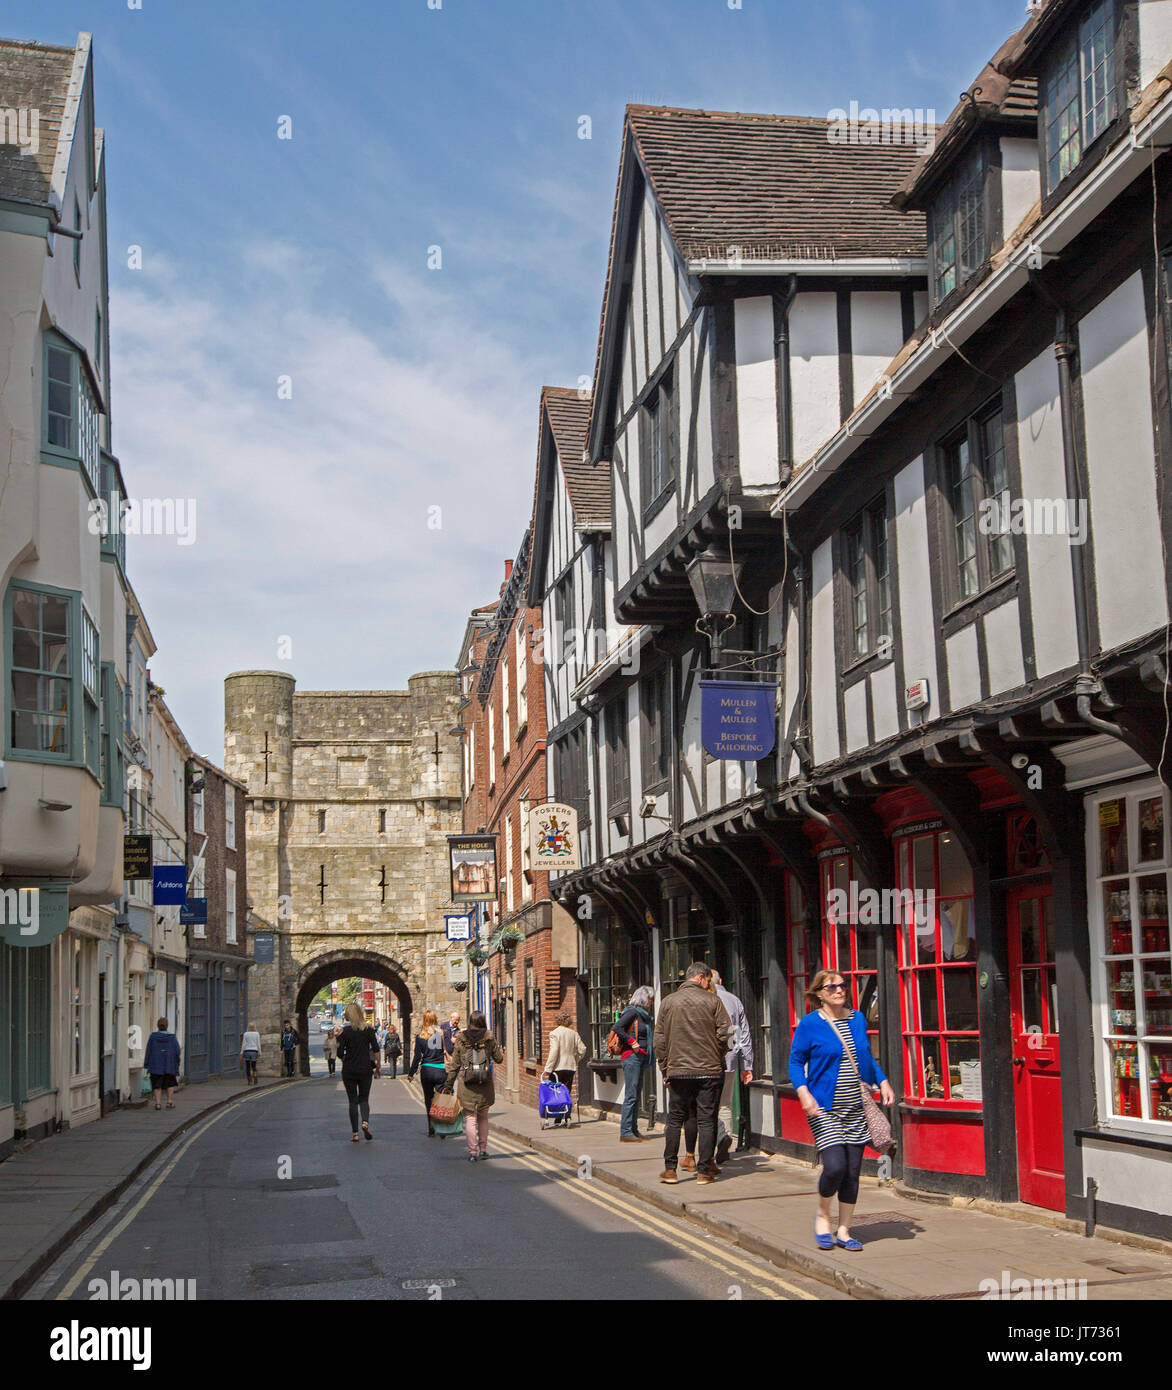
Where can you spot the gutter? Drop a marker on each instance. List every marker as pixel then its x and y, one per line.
pixel 630 646
pixel 862 265
pixel 1045 242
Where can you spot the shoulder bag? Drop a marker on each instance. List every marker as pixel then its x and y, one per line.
pixel 878 1125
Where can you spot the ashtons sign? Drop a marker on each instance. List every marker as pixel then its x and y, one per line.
pixel 738 719
pixel 473 864
pixel 553 833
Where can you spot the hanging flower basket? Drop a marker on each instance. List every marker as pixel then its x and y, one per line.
pixel 476 955
pixel 506 939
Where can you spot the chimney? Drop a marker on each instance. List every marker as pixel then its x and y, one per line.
pixel 508 570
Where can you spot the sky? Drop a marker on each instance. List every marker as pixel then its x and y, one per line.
pixel 335 342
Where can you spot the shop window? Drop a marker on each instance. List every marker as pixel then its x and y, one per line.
pixel 799 965
pixel 615 968
pixel 687 938
pixel 532 1015
pixel 1135 963
pixel 850 945
pixel 937 968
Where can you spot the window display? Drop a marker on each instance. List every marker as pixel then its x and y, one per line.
pixel 1135 963
pixel 850 944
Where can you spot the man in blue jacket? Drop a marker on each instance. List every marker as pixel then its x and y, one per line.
pixel 162 1062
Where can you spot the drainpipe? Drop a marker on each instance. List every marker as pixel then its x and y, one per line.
pixel 785 432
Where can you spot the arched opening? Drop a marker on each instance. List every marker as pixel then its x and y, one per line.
pixel 339 965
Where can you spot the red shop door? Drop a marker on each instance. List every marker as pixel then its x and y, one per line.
pixel 1037 1080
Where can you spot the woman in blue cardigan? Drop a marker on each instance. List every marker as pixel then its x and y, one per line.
pixel 829 1058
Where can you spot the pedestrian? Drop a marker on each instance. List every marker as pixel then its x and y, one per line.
pixel 470 1068
pixel 691 1040
pixel 566 1050
pixel 393 1049
pixel 830 1057
pixel 162 1062
pixel 330 1049
pixel 451 1028
pixel 428 1061
pixel 358 1049
pixel 289 1044
pixel 250 1054
pixel 633 1027
pixel 738 1059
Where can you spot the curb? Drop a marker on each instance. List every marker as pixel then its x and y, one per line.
pixel 783 1256
pixel 105 1200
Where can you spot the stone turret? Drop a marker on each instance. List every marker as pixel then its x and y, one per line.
pixel 258 731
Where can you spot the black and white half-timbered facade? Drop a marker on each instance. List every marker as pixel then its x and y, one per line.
pixel 920 398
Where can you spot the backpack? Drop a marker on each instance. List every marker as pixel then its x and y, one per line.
pixel 616 1045
pixel 477 1069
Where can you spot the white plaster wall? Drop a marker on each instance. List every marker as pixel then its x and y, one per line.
pixel 1003 648
pixel 789 763
pixel 626 377
pixel 636 311
pixel 1039 444
pixel 1129 567
pixel 621 517
pixel 823 675
pixel 876 336
pixel 1155 38
pixel 692 751
pixel 1140 1178
pixel 883 703
pixel 854 705
pixel 649 231
pixel 1021 186
pixel 661 525
pixel 671 314
pixel 964 675
pixel 762 1112
pixel 915 584
pixel 919 305
pixel 813 370
pixel 756 390
pixel 712 784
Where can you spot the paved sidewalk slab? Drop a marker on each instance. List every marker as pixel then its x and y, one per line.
pixel 912 1249
pixel 51 1190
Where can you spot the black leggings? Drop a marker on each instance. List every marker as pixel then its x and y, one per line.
pixel 358 1094
pixel 393 1063
pixel 840 1172
pixel 431 1079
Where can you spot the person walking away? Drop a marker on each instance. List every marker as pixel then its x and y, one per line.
pixel 451 1028
pixel 634 1027
pixel 392 1049
pixel 470 1067
pixel 739 1059
pixel 289 1043
pixel 330 1049
pixel 428 1061
pixel 830 1057
pixel 162 1062
pixel 358 1049
pixel 566 1050
pixel 691 1039
pixel 250 1054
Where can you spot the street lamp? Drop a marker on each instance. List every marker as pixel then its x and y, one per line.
pixel 713 577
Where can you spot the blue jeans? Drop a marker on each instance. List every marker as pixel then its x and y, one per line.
pixel 633 1065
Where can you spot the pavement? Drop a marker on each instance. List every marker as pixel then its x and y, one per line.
pixel 53 1189
pixel 913 1249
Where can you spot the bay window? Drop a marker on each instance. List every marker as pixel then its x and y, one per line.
pixel 1079 95
pixel 54 682
pixel 71 419
pixel 959 238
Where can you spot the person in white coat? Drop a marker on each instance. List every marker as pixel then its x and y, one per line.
pixel 566 1050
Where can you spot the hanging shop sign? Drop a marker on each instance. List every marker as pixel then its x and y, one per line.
pixel 170 885
pixel 136 856
pixel 457 970
pixel 194 913
pixel 473 866
pixel 263 947
pixel 738 719
pixel 32 914
pixel 458 926
pixel 553 833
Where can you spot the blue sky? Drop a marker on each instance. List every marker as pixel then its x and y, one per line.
pixel 412 388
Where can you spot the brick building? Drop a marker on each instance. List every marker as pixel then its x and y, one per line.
pixel 218 958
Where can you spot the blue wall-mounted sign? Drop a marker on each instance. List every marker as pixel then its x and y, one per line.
pixel 194 913
pixel 458 928
pixel 738 719
pixel 170 885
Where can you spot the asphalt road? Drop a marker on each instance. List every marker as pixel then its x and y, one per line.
pixel 269 1199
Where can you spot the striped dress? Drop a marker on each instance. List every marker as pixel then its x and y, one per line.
pixel 845 1123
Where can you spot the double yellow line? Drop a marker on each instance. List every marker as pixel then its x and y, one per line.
pixel 727 1261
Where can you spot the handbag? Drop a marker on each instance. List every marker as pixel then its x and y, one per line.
pixel 878 1125
pixel 144 1084
pixel 445 1107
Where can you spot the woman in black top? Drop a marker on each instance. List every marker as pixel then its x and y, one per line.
pixel 358 1050
pixel 428 1060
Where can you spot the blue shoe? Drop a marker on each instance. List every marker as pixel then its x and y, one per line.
pixel 851 1244
pixel 823 1242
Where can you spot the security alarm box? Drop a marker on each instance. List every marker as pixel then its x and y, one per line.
pixel 917 695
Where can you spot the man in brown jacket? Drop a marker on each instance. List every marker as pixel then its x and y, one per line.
pixel 691 1039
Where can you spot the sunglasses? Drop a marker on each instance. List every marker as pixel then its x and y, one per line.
pixel 828 988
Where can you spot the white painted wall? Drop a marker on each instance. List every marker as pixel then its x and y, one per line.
pixel 915 584
pixel 964 675
pixel 1003 648
pixel 789 762
pixel 854 705
pixel 1117 405
pixel 823 666
pixel 883 701
pixel 1155 38
pixel 756 390
pixel 876 336
pixel 1140 1178
pixel 1039 444
pixel 813 370
pixel 1021 185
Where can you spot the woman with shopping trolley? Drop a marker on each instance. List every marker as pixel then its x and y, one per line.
pixel 565 1054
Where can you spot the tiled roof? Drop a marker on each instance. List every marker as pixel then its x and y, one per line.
pixel 33 77
pixel 589 488
pixel 773 185
pixel 992 96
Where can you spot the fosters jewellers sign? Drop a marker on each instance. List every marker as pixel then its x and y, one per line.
pixel 738 719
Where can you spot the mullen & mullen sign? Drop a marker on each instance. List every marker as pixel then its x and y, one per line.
pixel 738 719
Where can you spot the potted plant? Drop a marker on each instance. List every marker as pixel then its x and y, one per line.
pixel 506 940
pixel 476 955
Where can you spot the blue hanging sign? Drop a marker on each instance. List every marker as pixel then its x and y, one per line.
pixel 194 913
pixel 170 885
pixel 458 927
pixel 738 719
pixel 262 947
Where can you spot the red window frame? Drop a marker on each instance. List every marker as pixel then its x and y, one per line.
pixel 795 946
pixel 841 945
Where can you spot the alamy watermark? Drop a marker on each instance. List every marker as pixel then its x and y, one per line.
pixel 143 516
pixel 887 907
pixel 21 908
pixel 892 125
pixel 1034 516
pixel 117 1288
pixel 1007 1287
pixel 21 125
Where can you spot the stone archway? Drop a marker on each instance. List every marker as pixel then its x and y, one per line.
pixel 323 969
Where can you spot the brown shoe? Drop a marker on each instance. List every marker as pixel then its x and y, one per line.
pixel 631 1138
pixel 710 1174
pixel 669 1175
pixel 688 1163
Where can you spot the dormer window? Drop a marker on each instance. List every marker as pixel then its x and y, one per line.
pixel 1080 96
pixel 959 234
